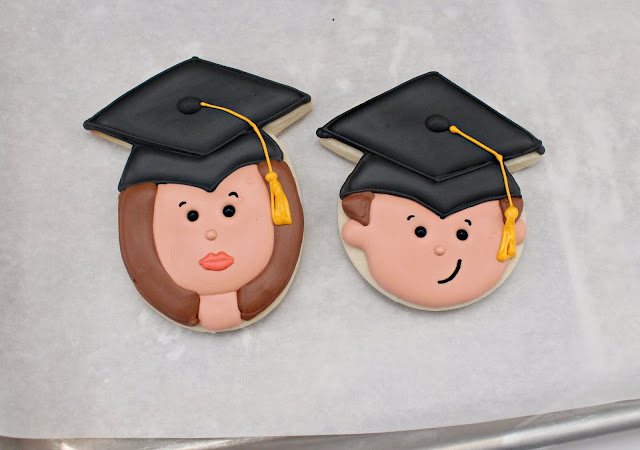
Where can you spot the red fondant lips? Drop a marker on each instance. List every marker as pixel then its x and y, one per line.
pixel 216 261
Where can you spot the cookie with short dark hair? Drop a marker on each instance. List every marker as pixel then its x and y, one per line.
pixel 431 215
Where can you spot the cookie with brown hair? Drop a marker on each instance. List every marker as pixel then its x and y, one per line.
pixel 209 214
pixel 431 215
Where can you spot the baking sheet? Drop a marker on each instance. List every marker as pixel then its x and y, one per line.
pixel 611 426
pixel 82 355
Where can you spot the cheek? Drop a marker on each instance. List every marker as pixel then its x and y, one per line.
pixel 521 231
pixel 480 269
pixel 480 248
pixel 248 236
pixel 175 238
pixel 395 256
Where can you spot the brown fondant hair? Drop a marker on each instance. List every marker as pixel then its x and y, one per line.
pixel 358 206
pixel 135 221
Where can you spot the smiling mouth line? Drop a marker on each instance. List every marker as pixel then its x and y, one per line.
pixel 216 261
pixel 453 275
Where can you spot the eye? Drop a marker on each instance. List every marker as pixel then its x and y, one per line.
pixel 193 215
pixel 420 232
pixel 462 235
pixel 228 211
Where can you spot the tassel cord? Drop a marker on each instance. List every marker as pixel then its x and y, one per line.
pixel 280 211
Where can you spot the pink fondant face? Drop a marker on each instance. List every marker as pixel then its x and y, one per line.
pixel 452 263
pixel 214 242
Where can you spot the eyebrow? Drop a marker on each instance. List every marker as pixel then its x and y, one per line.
pixel 233 193
pixel 468 221
pixel 410 217
pixel 182 203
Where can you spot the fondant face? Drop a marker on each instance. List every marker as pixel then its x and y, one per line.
pixel 214 242
pixel 423 259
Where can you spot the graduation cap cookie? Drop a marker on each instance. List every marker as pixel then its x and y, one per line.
pixel 209 214
pixel 431 215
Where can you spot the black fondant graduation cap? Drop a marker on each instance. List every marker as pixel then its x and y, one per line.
pixel 393 126
pixel 176 140
pixel 409 150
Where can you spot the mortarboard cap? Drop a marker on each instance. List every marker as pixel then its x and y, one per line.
pixel 432 142
pixel 393 126
pixel 196 123
pixel 444 198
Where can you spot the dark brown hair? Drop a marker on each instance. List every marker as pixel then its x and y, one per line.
pixel 135 221
pixel 358 206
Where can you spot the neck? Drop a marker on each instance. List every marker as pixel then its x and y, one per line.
pixel 219 312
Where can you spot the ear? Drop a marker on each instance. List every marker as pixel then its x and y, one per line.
pixel 521 231
pixel 357 206
pixel 353 233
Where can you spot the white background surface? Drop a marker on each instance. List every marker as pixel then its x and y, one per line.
pixel 82 355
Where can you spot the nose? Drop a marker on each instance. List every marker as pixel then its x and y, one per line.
pixel 211 234
pixel 439 250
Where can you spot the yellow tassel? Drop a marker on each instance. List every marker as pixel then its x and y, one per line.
pixel 280 212
pixel 508 242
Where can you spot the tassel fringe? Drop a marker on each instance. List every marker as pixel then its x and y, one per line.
pixel 508 242
pixel 280 212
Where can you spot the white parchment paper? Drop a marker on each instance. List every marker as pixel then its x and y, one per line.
pixel 82 355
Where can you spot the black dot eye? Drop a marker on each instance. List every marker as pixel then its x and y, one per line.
pixel 462 235
pixel 193 215
pixel 420 232
pixel 228 211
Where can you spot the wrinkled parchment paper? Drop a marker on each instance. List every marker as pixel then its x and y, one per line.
pixel 82 355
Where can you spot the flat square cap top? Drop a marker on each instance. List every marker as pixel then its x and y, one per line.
pixel 394 126
pixel 148 114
